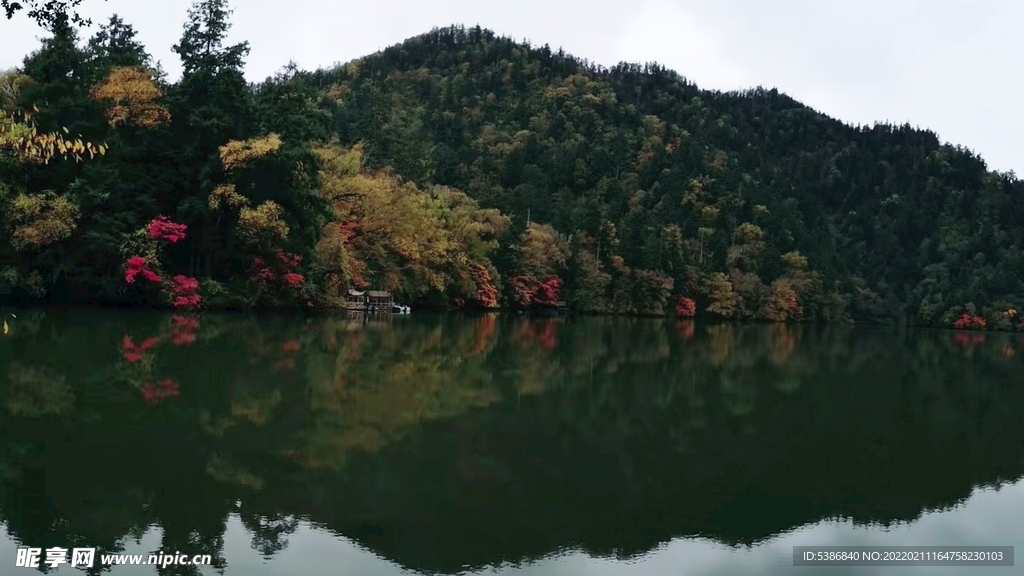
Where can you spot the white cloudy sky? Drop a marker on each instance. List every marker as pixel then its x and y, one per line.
pixel 954 66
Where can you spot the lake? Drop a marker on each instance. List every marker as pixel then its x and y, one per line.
pixel 283 445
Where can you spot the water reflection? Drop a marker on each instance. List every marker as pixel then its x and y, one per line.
pixel 446 444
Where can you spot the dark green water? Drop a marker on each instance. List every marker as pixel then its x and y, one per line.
pixel 591 446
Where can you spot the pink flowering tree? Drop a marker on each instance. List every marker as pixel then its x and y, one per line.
pixel 142 264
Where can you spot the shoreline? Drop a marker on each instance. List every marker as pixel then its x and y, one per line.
pixel 312 312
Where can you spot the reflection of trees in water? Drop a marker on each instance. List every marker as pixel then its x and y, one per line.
pixel 553 429
pixel 269 532
pixel 37 391
pixel 370 388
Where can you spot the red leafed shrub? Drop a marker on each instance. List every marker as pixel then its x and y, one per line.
pixel 136 266
pixel 792 305
pixel 183 292
pixel 291 346
pixel 547 292
pixel 162 228
pixel 348 230
pixel 967 322
pixel 685 307
pixel 184 284
pixel 289 261
pixel 187 302
pixel 523 290
pixel 280 273
pixel 486 294
pixel 261 272
pixel 527 291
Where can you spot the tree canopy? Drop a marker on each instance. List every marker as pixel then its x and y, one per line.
pixel 46 13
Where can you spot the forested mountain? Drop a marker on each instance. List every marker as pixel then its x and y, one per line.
pixel 464 169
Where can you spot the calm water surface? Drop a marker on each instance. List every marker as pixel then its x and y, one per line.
pixel 447 445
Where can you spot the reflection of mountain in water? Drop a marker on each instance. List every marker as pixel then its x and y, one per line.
pixel 445 444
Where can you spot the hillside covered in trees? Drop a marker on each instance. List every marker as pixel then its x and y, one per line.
pixel 461 169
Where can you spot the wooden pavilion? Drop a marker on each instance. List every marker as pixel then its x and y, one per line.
pixel 355 300
pixel 379 301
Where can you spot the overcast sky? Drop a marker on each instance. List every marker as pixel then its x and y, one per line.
pixel 954 66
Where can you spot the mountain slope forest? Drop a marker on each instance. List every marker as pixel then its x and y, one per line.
pixel 462 169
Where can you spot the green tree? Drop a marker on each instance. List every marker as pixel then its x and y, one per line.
pixel 46 13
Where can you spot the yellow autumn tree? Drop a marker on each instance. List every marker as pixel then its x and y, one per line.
pixel 338 166
pixel 472 231
pixel 723 299
pixel 263 225
pixel 542 252
pixel 239 153
pixel 781 303
pixel 336 261
pixel 22 138
pixel 132 95
pixel 415 247
pixel 38 220
pixel 783 299
pixel 748 246
pixel 342 187
pixel 398 237
pixel 226 195
pixel 795 261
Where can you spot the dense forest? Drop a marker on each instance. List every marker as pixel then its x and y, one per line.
pixel 460 169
